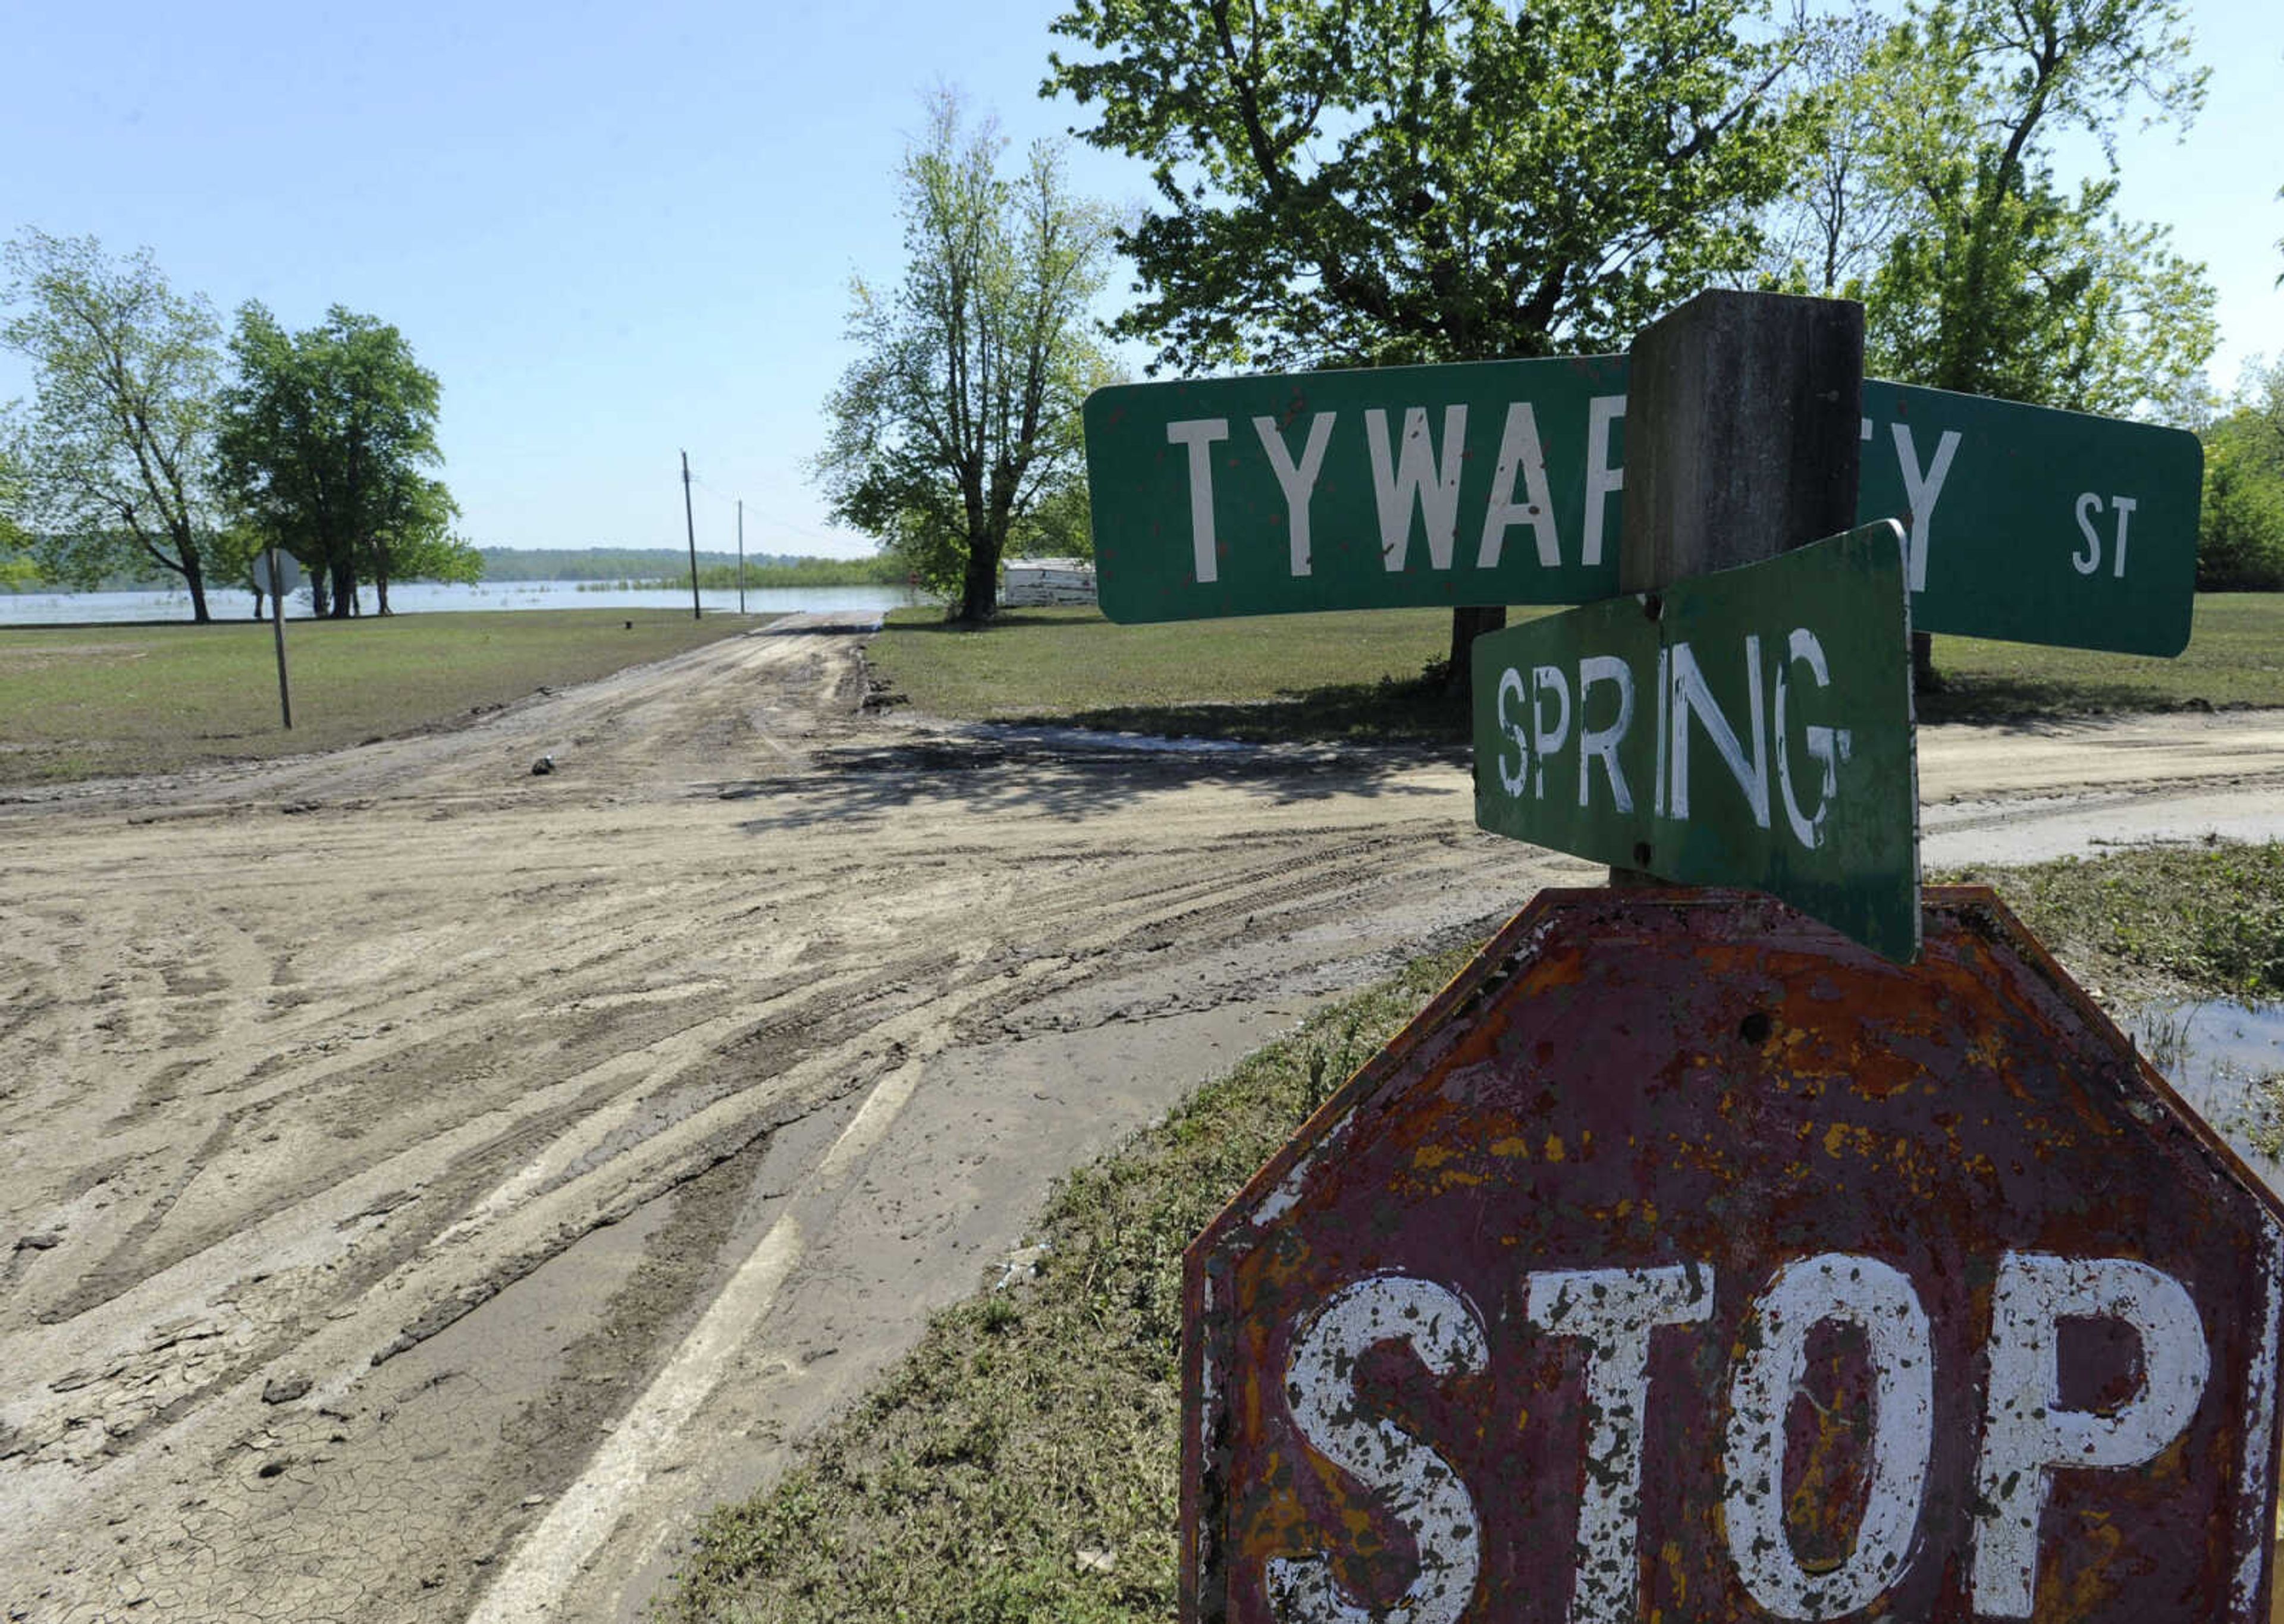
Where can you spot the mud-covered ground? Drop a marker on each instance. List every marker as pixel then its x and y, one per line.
pixel 426 1185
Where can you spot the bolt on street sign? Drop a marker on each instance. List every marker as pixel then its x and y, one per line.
pixel 1498 482
pixel 1683 1261
pixel 1751 727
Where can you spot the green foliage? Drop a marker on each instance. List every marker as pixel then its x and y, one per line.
pixel 1383 181
pixel 17 571
pixel 112 458
pixel 2209 917
pixel 960 412
pixel 1058 525
pixel 324 441
pixel 1936 201
pixel 2240 528
pixel 417 543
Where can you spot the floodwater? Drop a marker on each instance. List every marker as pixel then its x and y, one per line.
pixel 2226 1059
pixel 426 596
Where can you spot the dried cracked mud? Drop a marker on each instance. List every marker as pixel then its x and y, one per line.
pixel 427 1187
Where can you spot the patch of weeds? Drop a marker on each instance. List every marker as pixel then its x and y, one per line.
pixel 2165 1038
pixel 1023 1463
pixel 2263 1114
pixel 2210 918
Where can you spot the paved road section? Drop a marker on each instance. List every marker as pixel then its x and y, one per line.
pixel 426 1185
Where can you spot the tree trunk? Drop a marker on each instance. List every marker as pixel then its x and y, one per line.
pixel 320 600
pixel 381 593
pixel 979 592
pixel 195 579
pixel 260 598
pixel 1924 679
pixel 1467 624
pixel 344 591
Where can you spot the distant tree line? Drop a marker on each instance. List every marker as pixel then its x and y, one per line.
pixel 149 446
pixel 644 564
pixel 884 569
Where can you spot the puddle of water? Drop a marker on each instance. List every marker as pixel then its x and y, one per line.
pixel 2226 1061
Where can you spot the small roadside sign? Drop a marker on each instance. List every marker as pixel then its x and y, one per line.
pixel 275 575
pixel 1499 483
pixel 274 572
pixel 1751 727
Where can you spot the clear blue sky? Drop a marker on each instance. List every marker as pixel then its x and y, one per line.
pixel 614 232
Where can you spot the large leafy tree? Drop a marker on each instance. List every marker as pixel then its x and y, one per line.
pixel 1359 181
pixel 2002 282
pixel 325 443
pixel 960 412
pixel 113 453
pixel 1936 201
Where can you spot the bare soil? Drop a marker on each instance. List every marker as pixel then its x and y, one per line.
pixel 426 1185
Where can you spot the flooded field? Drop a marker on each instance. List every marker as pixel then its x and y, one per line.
pixel 2226 1059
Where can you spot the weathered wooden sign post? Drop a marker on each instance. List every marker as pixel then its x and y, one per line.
pixel 1694 1258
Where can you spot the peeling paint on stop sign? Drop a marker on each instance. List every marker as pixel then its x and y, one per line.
pixel 1685 1263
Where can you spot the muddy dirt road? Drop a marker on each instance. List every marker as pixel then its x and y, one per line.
pixel 425 1185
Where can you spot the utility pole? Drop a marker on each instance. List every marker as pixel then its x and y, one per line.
pixel 690 525
pixel 741 555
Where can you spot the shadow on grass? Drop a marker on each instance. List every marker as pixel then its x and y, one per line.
pixel 1062 772
pixel 2022 701
pixel 1382 713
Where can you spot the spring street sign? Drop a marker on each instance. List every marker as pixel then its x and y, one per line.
pixel 1498 482
pixel 1751 727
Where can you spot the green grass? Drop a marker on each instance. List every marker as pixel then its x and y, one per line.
pixel 1034 1431
pixel 2209 918
pixel 1353 675
pixel 2235 658
pixel 1356 677
pixel 87 702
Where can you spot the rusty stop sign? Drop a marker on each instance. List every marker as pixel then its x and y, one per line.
pixel 1683 1261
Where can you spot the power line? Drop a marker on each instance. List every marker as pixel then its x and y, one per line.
pixel 730 500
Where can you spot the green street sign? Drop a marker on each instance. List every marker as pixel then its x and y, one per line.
pixel 2034 525
pixel 1747 728
pixel 1498 482
pixel 1493 482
